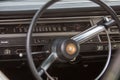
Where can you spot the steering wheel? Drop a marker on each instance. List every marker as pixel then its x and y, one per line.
pixel 65 49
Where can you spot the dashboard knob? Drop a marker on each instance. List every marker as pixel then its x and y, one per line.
pixel 99 48
pixel 7 51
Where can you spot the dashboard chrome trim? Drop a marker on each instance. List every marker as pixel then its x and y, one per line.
pixel 39 34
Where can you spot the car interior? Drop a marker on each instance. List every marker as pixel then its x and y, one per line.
pixel 59 39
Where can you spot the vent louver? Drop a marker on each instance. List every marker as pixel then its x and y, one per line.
pixel 113 37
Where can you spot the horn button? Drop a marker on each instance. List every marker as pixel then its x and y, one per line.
pixel 71 49
pixel 66 49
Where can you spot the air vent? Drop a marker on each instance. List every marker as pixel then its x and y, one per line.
pixel 114 29
pixel 113 37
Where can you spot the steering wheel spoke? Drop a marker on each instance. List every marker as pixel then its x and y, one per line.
pixel 88 34
pixel 46 64
pixel 92 32
pixel 41 52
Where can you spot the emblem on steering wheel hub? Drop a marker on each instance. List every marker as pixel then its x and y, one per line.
pixel 71 48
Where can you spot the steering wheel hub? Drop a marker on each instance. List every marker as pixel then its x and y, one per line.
pixel 66 49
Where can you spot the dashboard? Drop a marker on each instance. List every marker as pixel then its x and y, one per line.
pixel 63 19
pixel 58 21
pixel 13 35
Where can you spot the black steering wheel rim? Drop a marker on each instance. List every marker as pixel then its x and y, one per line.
pixel 33 23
